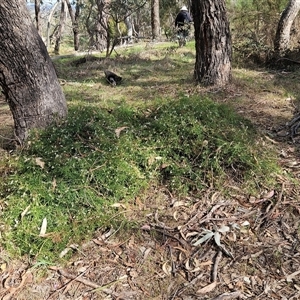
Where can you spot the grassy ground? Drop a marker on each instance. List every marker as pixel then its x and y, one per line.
pixel 143 165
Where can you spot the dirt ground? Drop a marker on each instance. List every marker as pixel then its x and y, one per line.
pixel 251 251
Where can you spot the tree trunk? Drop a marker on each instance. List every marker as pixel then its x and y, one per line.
pixel 155 20
pixel 61 26
pixel 27 75
pixel 75 21
pixel 37 9
pixel 282 37
pixel 213 42
pixel 129 27
pixel 102 32
pixel 49 23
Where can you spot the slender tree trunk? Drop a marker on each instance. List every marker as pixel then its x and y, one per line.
pixel 102 33
pixel 213 42
pixel 90 30
pixel 49 23
pixel 61 27
pixel 155 20
pixel 282 38
pixel 27 74
pixel 75 21
pixel 129 27
pixel 37 9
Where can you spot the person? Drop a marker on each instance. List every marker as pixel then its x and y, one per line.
pixel 182 25
pixel 183 17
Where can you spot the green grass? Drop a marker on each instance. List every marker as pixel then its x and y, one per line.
pixel 71 174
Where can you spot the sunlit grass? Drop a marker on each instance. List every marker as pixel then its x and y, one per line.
pixel 119 142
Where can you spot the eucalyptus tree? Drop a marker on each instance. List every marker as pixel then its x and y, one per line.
pixel 155 20
pixel 37 9
pixel 113 16
pixel 60 27
pixel 27 74
pixel 75 16
pixel 282 38
pixel 213 42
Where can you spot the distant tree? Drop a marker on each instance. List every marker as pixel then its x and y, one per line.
pixel 27 75
pixel 213 42
pixel 49 23
pixel 155 21
pixel 60 28
pixel 102 29
pixel 282 38
pixel 37 9
pixel 75 20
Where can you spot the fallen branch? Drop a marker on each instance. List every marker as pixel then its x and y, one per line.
pixel 95 286
pixel 288 59
pixel 215 268
pixel 228 296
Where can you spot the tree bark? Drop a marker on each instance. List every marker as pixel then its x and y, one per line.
pixel 102 32
pixel 37 9
pixel 282 37
pixel 27 74
pixel 75 21
pixel 155 20
pixel 128 23
pixel 49 23
pixel 213 42
pixel 61 26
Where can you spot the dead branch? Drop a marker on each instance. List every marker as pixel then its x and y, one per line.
pixel 215 269
pixel 228 296
pixel 288 59
pixel 79 279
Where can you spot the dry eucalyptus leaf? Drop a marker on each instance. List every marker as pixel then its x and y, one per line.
pixel 207 288
pixel 167 268
pixel 25 211
pixel 118 205
pixel 224 229
pixel 179 203
pixel 217 238
pixel 269 195
pixel 43 227
pixel 289 278
pixel 119 130
pixel 39 162
pixel 54 184
pixel 64 252
pixel 209 235
pixel 3 267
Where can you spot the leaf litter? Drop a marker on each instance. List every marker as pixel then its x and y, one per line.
pixel 248 253
pixel 257 258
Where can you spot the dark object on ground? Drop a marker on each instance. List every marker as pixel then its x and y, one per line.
pixel 112 78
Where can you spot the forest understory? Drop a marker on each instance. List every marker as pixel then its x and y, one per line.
pixel 252 245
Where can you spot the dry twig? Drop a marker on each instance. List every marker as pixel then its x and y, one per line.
pixel 228 296
pixel 215 269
